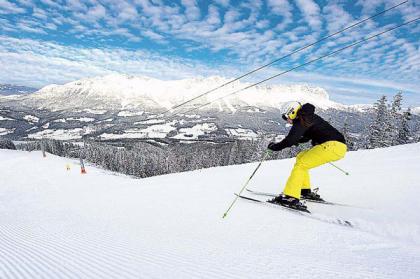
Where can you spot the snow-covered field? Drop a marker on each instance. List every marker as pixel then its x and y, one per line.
pixel 59 134
pixel 61 224
pixel 4 131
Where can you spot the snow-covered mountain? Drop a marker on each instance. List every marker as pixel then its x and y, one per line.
pixel 131 92
pixel 57 223
pixel 127 107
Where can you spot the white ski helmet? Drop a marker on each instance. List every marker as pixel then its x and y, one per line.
pixel 291 110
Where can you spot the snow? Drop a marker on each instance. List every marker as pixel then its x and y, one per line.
pixel 95 111
pixel 416 110
pixel 129 113
pixel 57 223
pixel 153 131
pixel 5 118
pixel 151 121
pixel 159 130
pixel 31 118
pixel 60 134
pixel 162 130
pixel 4 131
pixel 81 119
pixel 255 110
pixel 196 116
pixel 360 107
pixel 196 131
pixel 241 133
pixel 61 120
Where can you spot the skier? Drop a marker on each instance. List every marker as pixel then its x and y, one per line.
pixel 328 145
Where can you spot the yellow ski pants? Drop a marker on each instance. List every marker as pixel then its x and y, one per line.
pixel 318 155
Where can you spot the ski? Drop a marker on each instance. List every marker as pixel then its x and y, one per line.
pixel 266 194
pixel 276 204
pixel 308 214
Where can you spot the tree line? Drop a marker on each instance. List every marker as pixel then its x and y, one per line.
pixel 391 125
pixel 144 159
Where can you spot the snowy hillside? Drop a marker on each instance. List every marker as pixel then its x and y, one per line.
pixel 61 224
pixel 123 91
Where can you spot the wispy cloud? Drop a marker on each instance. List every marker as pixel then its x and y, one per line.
pixel 38 63
pixel 7 7
pixel 311 12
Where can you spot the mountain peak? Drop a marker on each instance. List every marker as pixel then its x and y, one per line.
pixel 122 89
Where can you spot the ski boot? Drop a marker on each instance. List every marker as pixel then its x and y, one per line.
pixel 290 202
pixel 307 194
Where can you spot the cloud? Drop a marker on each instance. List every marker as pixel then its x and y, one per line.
pixel 336 17
pixel 245 33
pixel 152 35
pixel 311 13
pixel 76 5
pixel 27 26
pixel 192 11
pixel 37 63
pixel 40 14
pixel 281 8
pixel 10 8
pixel 370 6
pixel 213 17
pixel 96 12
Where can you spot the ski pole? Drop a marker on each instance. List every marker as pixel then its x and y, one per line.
pixel 268 152
pixel 340 169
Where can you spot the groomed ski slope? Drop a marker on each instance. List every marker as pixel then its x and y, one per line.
pixel 61 224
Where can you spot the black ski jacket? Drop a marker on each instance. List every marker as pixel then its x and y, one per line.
pixel 317 129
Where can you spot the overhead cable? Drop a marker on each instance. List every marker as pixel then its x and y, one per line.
pixel 307 63
pixel 283 57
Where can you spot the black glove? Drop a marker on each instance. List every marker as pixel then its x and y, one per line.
pixel 272 146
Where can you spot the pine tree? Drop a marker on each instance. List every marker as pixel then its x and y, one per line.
pixel 404 129
pixel 396 118
pixel 380 129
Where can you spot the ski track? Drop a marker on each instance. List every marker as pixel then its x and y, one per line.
pixel 40 253
pixel 50 229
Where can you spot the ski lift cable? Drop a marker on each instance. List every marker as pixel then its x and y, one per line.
pixel 283 57
pixel 306 63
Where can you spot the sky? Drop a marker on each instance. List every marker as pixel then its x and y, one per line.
pixel 44 42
